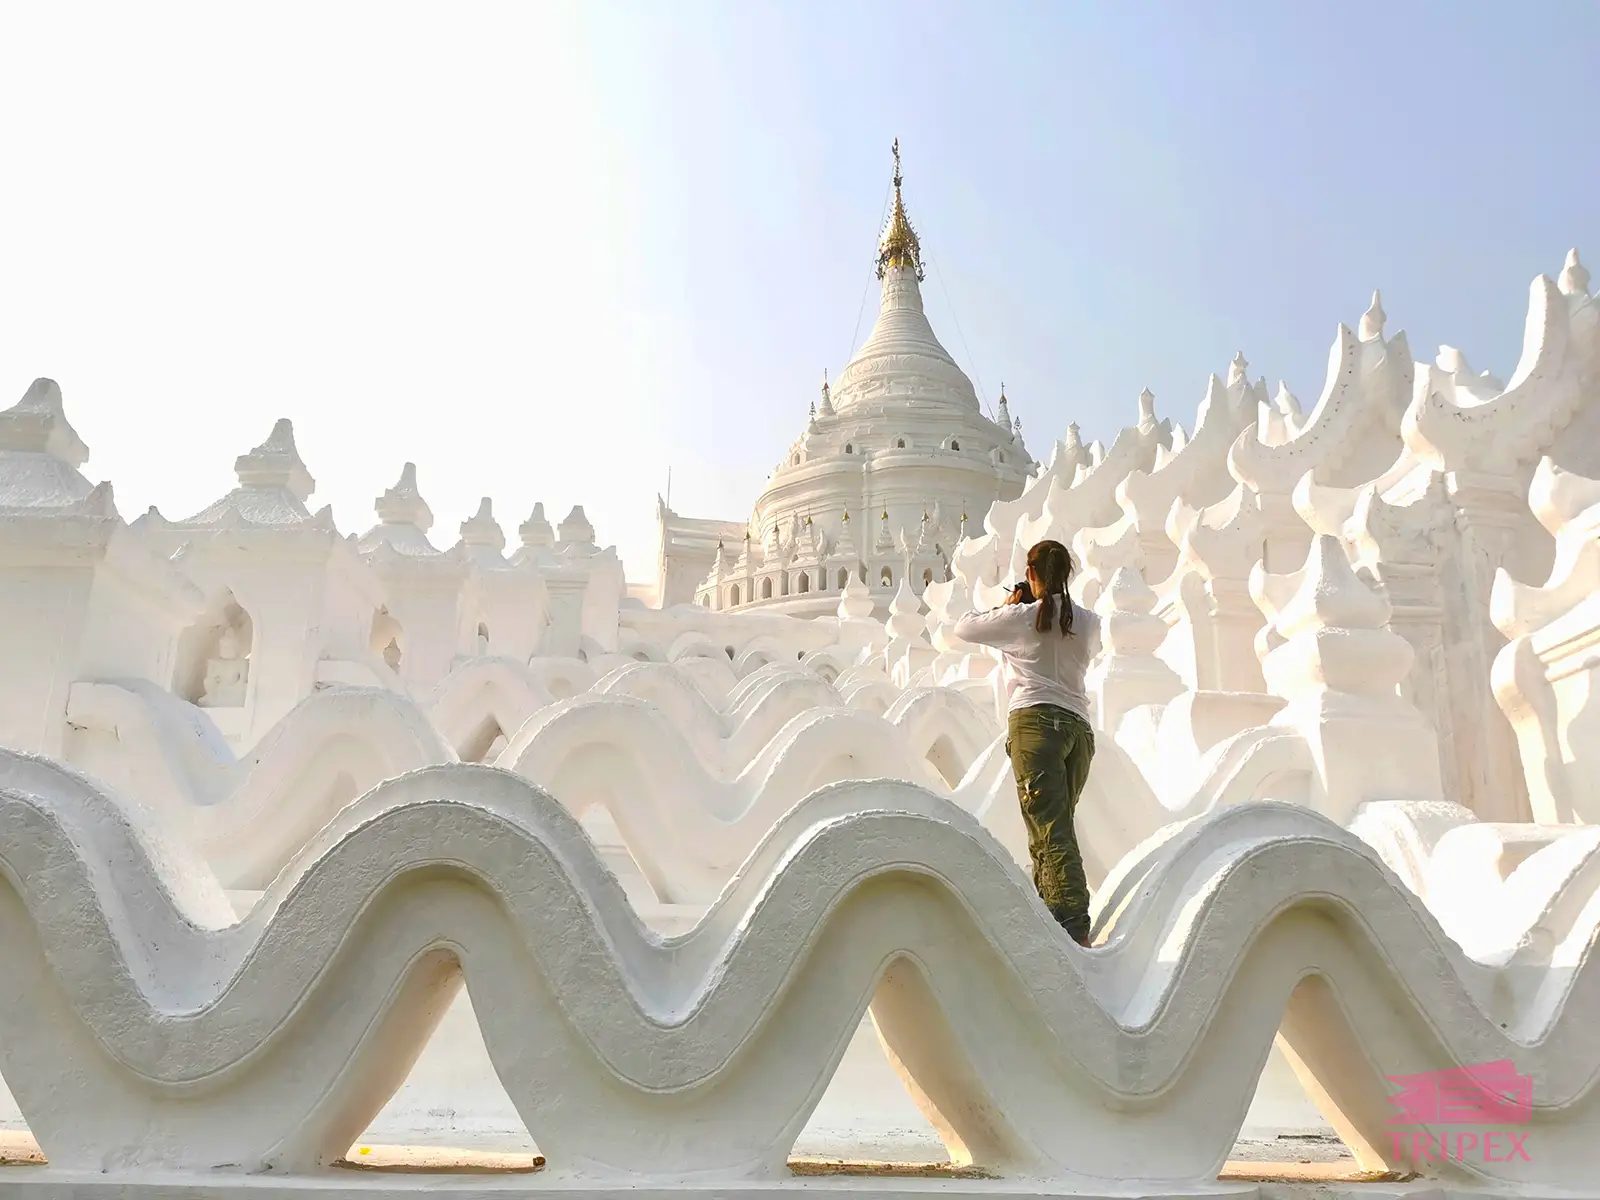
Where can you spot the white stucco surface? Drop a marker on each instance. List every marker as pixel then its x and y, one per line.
pixel 308 837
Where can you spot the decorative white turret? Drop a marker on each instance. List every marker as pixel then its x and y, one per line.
pixel 1238 370
pixel 1547 678
pixel 1147 411
pixel 276 464
pixel 905 620
pixel 1193 473
pixel 1549 408
pixel 855 601
pixel 1350 438
pixel 1339 666
pixel 948 601
pixel 274 486
pixel 482 536
pixel 89 598
pixel 575 532
pixel 415 633
pixel 1574 280
pixel 536 533
pixel 1277 421
pixel 1371 328
pixel 285 592
pixel 845 549
pixel 404 520
pixel 403 503
pixel 1213 639
pixel 1071 449
pixel 908 652
pixel 1127 674
pixel 885 544
pixel 40 453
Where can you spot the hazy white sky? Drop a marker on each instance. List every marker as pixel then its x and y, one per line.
pixel 547 251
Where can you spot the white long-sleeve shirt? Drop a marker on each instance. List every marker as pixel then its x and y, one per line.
pixel 1038 668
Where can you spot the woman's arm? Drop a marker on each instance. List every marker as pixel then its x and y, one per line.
pixel 1095 644
pixel 992 628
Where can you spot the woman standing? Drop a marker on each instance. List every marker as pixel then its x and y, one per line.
pixel 1046 642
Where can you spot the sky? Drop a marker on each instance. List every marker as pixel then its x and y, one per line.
pixel 553 251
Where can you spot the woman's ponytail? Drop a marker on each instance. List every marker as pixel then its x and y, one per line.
pixel 1050 561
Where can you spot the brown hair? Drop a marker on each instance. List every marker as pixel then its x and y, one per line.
pixel 1050 561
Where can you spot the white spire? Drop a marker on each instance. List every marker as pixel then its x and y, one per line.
pixel 275 463
pixel 1372 320
pixel 40 454
pixel 1147 411
pixel 403 503
pixel 575 529
pixel 38 422
pixel 1238 370
pixel 1574 279
pixel 481 530
pixel 902 355
pixel 535 532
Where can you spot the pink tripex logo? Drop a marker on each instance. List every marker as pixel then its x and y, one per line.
pixel 1482 1094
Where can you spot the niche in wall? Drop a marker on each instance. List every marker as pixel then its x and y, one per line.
pixel 212 665
pixel 387 640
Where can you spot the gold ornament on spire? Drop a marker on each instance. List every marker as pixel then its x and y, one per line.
pixel 899 248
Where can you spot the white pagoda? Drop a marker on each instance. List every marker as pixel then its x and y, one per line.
pixel 895 465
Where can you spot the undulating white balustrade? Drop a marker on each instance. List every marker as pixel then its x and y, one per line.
pixel 301 787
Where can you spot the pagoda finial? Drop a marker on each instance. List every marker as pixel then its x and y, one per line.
pixel 899 247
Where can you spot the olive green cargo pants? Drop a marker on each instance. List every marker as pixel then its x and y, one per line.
pixel 1050 751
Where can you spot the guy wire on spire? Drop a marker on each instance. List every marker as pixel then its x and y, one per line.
pixel 866 288
pixel 956 320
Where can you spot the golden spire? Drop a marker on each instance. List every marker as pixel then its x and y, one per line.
pixel 899 246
